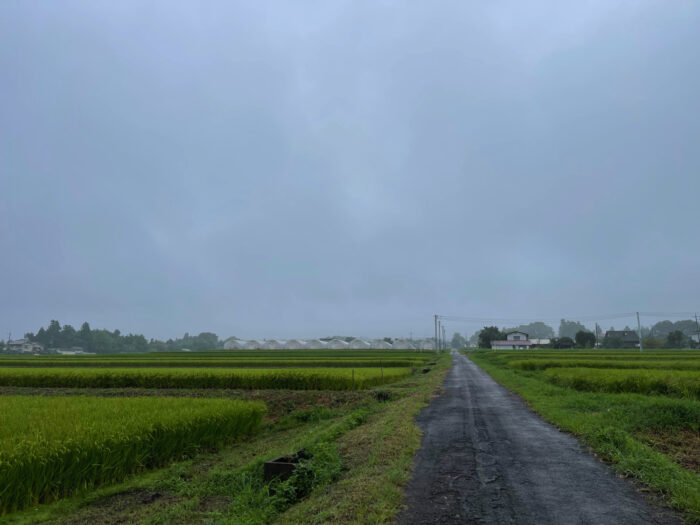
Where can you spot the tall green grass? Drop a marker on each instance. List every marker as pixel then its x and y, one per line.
pixel 292 379
pixel 51 447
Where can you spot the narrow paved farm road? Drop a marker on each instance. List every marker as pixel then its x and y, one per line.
pixel 486 458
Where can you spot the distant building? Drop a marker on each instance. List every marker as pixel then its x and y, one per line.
pixel 403 344
pixel 234 344
pixel 24 346
pixel 426 344
pixel 252 344
pixel 514 341
pixel 627 338
pixel 337 344
pixel 359 344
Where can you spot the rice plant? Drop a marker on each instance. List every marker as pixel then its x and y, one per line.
pixel 51 447
pixel 270 378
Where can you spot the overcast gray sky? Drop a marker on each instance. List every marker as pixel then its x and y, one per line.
pixel 297 169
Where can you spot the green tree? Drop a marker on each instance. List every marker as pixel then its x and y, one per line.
pixel 536 330
pixel 67 337
pixel 488 334
pixel 42 337
pixel 53 333
pixel 563 342
pixel 585 339
pixel 85 337
pixel 675 339
pixel 612 342
pixel 458 341
pixel 570 328
pixel 102 342
pixel 653 343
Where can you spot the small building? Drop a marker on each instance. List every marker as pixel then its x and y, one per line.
pixel 515 340
pixel 626 338
pixel 24 346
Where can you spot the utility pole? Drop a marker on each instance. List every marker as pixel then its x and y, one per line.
pixel 444 341
pixel 639 326
pixel 439 335
pixel 697 329
pixel 436 336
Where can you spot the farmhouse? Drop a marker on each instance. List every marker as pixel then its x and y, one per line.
pixel 24 346
pixel 626 338
pixel 514 341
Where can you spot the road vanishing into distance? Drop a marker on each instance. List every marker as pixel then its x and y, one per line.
pixel 487 458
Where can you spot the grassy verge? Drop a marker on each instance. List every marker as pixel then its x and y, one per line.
pixel 614 426
pixel 378 459
pixel 361 447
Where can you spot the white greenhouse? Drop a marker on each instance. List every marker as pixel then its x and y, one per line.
pixel 234 344
pixel 359 344
pixel 294 344
pixel 337 344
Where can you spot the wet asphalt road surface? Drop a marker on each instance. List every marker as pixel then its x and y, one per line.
pixel 487 458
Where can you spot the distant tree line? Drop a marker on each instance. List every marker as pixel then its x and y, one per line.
pixel 66 337
pixel 573 334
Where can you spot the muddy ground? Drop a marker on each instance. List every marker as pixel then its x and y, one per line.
pixel 487 458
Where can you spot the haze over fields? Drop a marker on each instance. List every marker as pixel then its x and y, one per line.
pixel 279 170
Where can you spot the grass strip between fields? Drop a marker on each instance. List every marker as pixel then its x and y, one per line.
pixel 611 425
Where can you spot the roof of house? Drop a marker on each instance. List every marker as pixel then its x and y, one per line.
pixel 624 335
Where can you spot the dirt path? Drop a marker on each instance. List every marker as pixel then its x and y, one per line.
pixel 486 458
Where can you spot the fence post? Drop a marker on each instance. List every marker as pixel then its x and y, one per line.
pixel 353 379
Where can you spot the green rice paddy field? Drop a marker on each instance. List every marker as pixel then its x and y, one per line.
pixel 182 437
pixel 640 411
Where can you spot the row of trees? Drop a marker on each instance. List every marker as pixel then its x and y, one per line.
pixel 56 336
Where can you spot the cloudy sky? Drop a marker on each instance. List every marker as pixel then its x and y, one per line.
pixel 277 169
